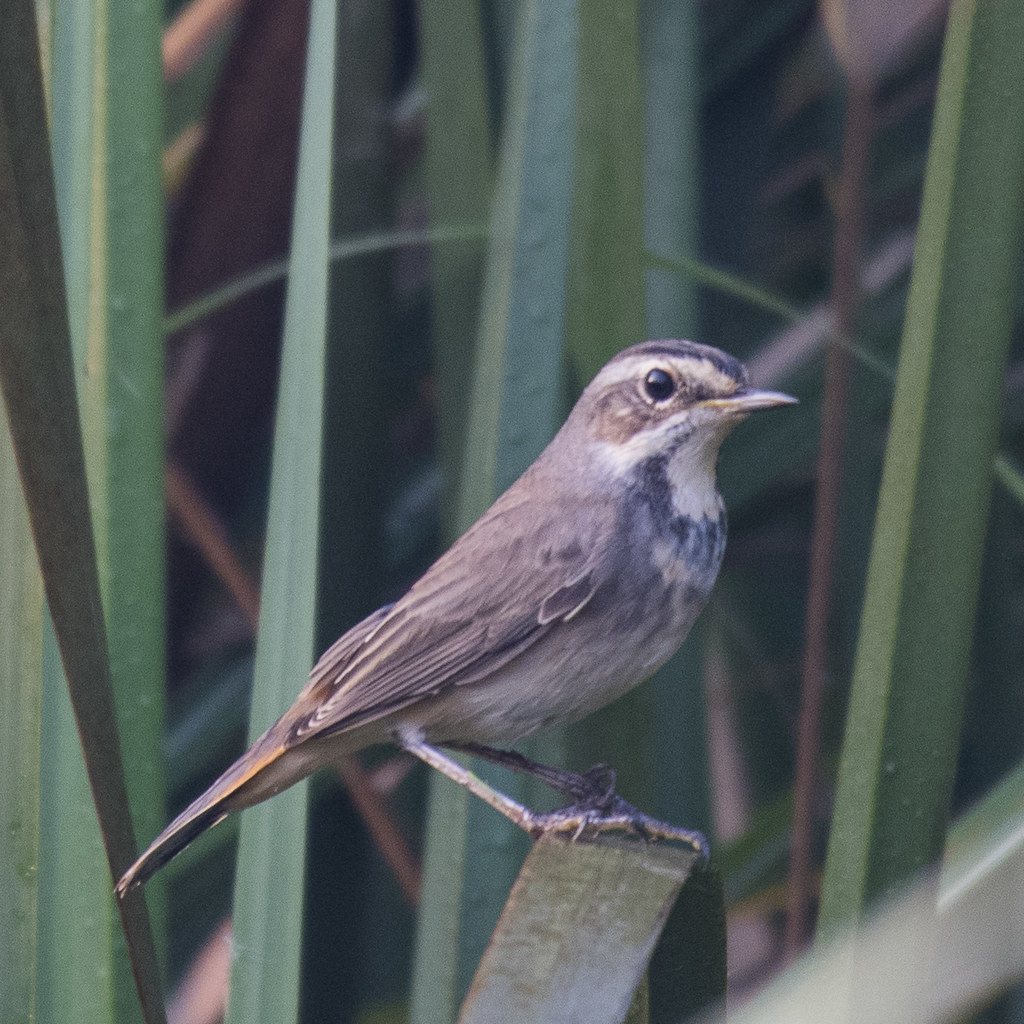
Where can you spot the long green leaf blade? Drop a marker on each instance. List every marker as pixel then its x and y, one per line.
pixel 272 840
pixel 607 285
pixel 471 855
pixel 107 115
pixel 903 729
pixel 356 468
pixel 123 407
pixel 77 965
pixel 669 50
pixel 459 172
pixel 21 622
pixel 607 307
pixel 36 373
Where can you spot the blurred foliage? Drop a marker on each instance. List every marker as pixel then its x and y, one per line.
pixel 910 674
pixel 722 167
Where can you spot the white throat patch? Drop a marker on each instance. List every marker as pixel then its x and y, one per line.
pixel 690 470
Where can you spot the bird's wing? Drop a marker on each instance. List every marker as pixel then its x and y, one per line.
pixel 491 597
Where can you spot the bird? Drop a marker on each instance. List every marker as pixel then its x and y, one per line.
pixel 576 585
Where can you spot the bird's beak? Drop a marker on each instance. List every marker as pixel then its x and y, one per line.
pixel 748 400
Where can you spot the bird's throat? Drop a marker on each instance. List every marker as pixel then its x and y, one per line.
pixel 679 483
pixel 688 520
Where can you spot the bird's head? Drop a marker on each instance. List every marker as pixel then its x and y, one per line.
pixel 670 400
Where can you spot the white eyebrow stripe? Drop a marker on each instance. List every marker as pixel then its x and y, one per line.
pixel 635 367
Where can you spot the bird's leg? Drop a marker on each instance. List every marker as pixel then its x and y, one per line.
pixel 597 806
pixel 515 812
pixel 596 784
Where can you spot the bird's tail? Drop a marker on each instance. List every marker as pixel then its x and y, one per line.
pixel 243 784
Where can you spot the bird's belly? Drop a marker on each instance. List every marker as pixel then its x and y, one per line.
pixel 573 673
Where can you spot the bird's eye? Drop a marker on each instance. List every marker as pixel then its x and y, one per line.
pixel 659 385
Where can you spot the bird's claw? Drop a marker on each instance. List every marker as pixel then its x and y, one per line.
pixel 610 813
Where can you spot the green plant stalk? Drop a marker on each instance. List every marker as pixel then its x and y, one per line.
pixel 107 116
pixel 472 856
pixel 21 620
pixel 267 920
pixel 77 962
pixel 358 365
pixel 116 315
pixel 910 671
pixel 123 408
pixel 500 19
pixel 37 377
pixel 459 176
pixel 669 34
pixel 356 459
pixel 689 268
pixel 342 249
pixel 607 307
pixel 77 965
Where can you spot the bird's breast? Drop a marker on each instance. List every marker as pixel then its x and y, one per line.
pixel 687 551
pixel 680 519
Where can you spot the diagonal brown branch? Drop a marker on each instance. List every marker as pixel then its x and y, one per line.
pixel 188 36
pixel 202 527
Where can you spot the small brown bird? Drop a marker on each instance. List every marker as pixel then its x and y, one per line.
pixel 576 585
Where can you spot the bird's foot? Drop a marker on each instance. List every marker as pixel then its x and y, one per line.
pixel 603 811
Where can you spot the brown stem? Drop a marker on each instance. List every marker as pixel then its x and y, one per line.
pixel 201 995
pixel 191 32
pixel 383 830
pixel 845 298
pixel 200 524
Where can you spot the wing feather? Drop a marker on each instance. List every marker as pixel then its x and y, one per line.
pixel 476 609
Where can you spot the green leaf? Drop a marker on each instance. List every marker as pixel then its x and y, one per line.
pixel 577 932
pixel 607 284
pixel 107 133
pixel 342 249
pixel 122 392
pixel 669 50
pixel 910 672
pixel 669 33
pixel 272 841
pixel 914 966
pixel 77 962
pixel 357 465
pixel 37 377
pixel 691 269
pixel 459 177
pixel 516 405
pixel 607 307
pixel 996 821
pixel 21 621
